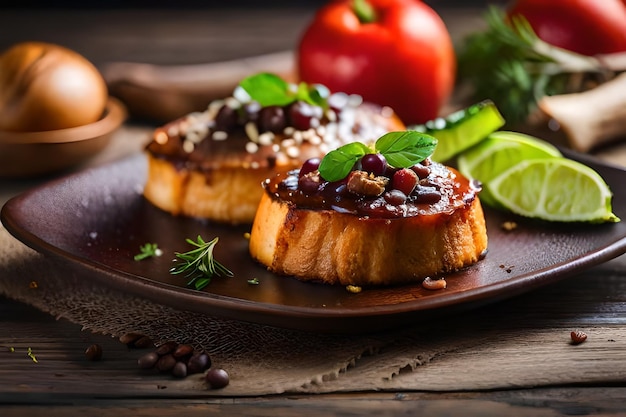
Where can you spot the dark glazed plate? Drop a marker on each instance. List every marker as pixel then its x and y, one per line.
pixel 97 219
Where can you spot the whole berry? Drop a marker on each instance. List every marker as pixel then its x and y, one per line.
pixel 405 180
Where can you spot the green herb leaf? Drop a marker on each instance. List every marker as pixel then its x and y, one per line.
pixel 400 149
pixel 268 89
pixel 338 163
pixel 405 149
pixel 271 90
pixel 253 281
pixel 316 94
pixel 147 251
pixel 199 264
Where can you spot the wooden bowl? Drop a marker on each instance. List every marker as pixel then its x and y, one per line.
pixel 30 154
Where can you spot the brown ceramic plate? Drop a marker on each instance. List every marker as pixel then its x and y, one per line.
pixel 97 219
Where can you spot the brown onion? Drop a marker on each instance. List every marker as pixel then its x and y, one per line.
pixel 47 87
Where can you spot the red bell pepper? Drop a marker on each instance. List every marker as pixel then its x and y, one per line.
pixel 396 53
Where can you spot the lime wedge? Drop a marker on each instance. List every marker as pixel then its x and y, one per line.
pixel 554 189
pixel 462 129
pixel 498 152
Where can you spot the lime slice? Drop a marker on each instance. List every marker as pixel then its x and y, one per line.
pixel 499 152
pixel 554 189
pixel 462 129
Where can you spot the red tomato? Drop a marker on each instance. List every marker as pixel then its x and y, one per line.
pixel 404 58
pixel 588 27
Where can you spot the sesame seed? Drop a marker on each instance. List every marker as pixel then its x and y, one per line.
pixel 188 146
pixel 232 102
pixel 219 135
pixel 172 131
pixel 161 138
pixel 266 138
pixel 288 142
pixel 252 147
pixel 293 151
pixel 355 100
pixel 252 131
pixel 386 111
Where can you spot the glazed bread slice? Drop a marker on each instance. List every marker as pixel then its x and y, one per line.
pixel 341 248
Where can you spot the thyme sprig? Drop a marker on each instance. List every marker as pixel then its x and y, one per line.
pixel 509 64
pixel 199 264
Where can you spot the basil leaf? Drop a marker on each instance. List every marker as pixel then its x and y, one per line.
pixel 268 89
pixel 317 95
pixel 337 164
pixel 407 148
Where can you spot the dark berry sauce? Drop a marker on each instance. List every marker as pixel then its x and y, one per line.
pixel 428 188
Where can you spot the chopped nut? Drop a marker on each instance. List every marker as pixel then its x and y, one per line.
pixel 360 182
pixel 578 337
pixel 355 289
pixel 509 226
pixel 434 284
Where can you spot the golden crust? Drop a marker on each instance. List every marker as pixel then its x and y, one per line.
pixel 337 248
pixel 228 195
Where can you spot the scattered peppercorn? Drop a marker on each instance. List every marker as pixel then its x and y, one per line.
pixel 93 352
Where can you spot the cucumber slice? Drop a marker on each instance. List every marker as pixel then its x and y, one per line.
pixel 462 129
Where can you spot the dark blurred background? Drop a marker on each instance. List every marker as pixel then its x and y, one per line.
pixel 109 4
pixel 182 31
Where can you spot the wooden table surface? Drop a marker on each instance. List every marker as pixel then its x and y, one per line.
pixel 65 383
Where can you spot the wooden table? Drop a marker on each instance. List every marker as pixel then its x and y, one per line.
pixel 63 382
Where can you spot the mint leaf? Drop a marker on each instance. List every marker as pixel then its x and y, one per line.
pixel 268 89
pixel 405 149
pixel 337 164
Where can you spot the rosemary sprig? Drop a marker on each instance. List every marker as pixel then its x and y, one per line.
pixel 199 264
pixel 509 64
